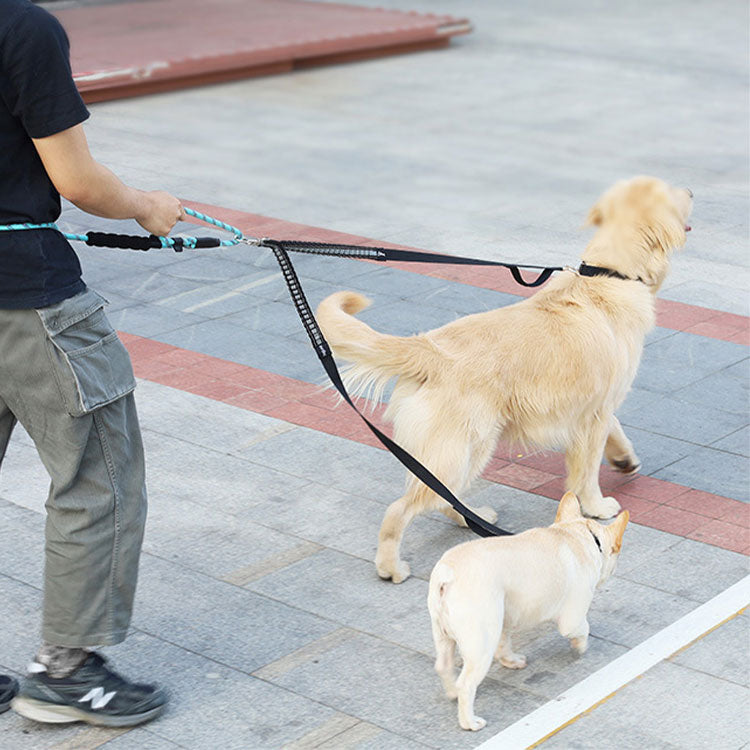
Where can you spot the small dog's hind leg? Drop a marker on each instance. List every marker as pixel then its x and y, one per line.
pixel 504 654
pixel 445 649
pixel 477 661
pixel 618 450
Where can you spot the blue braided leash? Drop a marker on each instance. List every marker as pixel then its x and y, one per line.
pixel 103 239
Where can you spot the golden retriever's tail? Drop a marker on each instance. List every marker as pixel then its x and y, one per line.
pixel 376 357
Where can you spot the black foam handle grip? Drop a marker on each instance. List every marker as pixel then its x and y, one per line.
pixel 128 241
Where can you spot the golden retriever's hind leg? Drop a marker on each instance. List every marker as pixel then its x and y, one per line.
pixel 489 514
pixel 582 460
pixel 397 518
pixel 619 450
pixel 481 450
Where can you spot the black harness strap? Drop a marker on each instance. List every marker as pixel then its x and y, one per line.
pixel 322 349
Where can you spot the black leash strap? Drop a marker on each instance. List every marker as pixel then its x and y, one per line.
pixel 406 256
pixel 323 350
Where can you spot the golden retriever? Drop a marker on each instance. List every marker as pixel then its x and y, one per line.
pixel 548 372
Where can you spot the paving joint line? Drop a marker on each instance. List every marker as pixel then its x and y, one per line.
pixel 324 618
pixel 231 668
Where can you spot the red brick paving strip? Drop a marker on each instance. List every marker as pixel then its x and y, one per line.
pixel 128 49
pixel 701 321
pixel 702 516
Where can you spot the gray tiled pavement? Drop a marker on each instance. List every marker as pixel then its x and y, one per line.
pixel 258 604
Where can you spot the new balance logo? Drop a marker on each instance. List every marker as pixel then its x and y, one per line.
pixel 98 697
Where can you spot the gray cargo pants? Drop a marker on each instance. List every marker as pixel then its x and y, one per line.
pixel 67 378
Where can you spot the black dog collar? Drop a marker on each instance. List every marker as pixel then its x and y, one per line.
pixel 596 539
pixel 586 270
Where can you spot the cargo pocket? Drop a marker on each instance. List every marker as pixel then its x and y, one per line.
pixel 91 366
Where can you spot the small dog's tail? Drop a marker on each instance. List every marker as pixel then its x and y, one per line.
pixel 440 580
pixel 376 357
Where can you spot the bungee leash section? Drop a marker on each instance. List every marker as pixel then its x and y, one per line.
pixel 280 249
pixel 405 256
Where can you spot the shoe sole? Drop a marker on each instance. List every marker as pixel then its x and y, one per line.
pixel 54 713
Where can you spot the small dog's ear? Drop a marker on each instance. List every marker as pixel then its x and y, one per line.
pixel 617 529
pixel 568 509
pixel 595 217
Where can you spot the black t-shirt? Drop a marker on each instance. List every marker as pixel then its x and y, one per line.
pixel 38 98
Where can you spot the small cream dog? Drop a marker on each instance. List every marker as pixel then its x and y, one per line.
pixel 483 590
pixel 548 372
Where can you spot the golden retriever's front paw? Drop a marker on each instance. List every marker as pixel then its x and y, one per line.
pixel 607 507
pixel 397 572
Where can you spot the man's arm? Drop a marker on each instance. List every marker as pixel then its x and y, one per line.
pixel 92 187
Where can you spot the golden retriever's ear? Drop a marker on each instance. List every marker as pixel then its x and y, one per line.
pixel 617 529
pixel 568 509
pixel 595 217
pixel 669 234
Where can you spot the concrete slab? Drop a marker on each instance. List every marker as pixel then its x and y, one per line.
pixel 738 442
pixel 712 471
pixel 204 694
pixel 627 613
pixel 696 423
pixel 701 713
pixel 703 571
pixel 367 691
pixel 716 655
pixel 333 582
pixel 720 391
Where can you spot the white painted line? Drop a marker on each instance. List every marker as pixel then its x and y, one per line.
pixel 563 710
